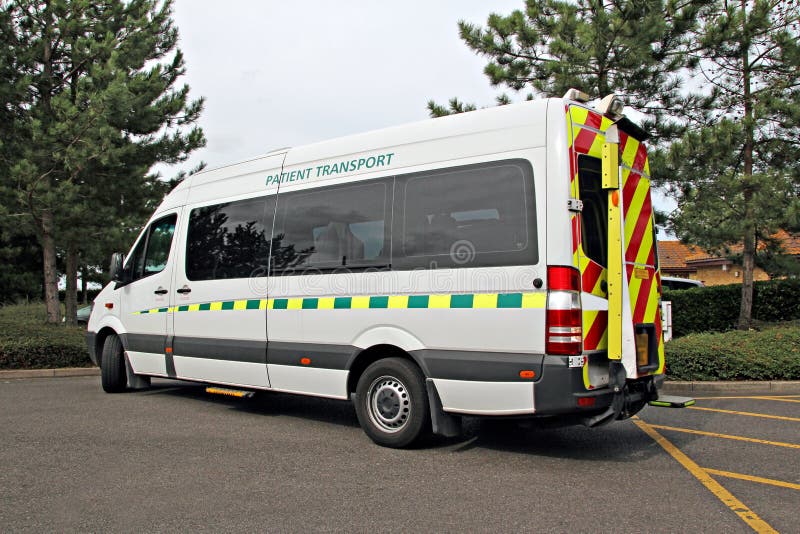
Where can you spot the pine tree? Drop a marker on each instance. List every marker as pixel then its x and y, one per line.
pixel 19 275
pixel 102 107
pixel 737 180
pixel 633 48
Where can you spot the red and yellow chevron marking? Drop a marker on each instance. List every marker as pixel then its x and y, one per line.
pixel 586 129
pixel 596 336
pixel 586 134
pixel 633 154
pixel 644 282
pixel 585 137
pixel 637 213
pixel 592 276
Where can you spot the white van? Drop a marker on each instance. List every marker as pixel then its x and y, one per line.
pixel 493 263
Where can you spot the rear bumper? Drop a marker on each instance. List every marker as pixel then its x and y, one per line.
pixel 562 392
pixel 558 391
pixel 561 387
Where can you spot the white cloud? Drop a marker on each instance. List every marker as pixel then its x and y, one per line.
pixel 278 73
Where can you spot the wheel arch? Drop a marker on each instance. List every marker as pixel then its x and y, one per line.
pixel 110 326
pixel 372 354
pixel 100 339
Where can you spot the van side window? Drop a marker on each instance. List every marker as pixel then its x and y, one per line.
pixel 228 240
pixel 473 216
pixel 594 217
pixel 332 228
pixel 152 252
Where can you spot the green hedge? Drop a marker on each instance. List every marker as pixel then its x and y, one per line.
pixel 716 308
pixel 26 342
pixel 772 354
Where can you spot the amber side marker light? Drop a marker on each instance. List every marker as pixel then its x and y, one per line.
pixel 109 305
pixel 527 374
pixel 305 361
pixel 168 350
pixel 642 346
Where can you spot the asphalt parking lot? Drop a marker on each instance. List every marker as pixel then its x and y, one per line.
pixel 176 458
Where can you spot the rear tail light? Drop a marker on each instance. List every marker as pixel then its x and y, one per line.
pixel 563 279
pixel 564 334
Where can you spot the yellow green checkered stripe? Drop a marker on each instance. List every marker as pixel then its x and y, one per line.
pixel 456 301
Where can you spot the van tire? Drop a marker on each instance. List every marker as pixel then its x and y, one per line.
pixel 392 403
pixel 112 366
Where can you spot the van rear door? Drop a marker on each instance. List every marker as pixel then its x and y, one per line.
pixel 640 259
pixel 632 236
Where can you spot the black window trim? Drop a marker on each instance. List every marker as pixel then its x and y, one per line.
pixel 393 223
pixel 591 161
pixel 145 238
pixel 412 263
pixel 268 222
pixel 382 263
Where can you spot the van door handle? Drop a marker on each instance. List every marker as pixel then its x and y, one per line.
pixel 160 291
pixel 184 290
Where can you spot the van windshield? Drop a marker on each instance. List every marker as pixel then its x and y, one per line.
pixel 594 218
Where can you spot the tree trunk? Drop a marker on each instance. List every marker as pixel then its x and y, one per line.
pixel 50 271
pixel 71 297
pixel 748 260
pixel 749 252
pixel 46 223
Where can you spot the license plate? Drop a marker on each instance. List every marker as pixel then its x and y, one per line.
pixel 577 361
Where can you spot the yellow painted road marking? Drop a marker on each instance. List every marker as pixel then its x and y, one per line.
pixel 768 397
pixel 727 436
pixel 727 498
pixel 777 399
pixel 751 478
pixel 749 414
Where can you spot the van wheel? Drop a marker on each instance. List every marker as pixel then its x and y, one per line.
pixel 112 366
pixel 392 404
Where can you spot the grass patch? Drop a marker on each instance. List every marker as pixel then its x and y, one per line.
pixel 772 353
pixel 27 342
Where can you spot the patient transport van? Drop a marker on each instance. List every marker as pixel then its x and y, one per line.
pixel 500 262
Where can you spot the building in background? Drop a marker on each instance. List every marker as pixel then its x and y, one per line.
pixel 690 261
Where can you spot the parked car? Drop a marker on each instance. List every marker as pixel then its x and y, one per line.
pixel 670 282
pixel 83 315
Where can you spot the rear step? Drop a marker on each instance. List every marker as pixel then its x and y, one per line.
pixel 238 393
pixel 670 401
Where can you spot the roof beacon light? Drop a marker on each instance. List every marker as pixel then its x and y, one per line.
pixel 612 107
pixel 578 96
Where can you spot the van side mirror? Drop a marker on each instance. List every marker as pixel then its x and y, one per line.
pixel 116 270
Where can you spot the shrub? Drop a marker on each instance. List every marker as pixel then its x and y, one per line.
pixel 771 354
pixel 26 342
pixel 716 308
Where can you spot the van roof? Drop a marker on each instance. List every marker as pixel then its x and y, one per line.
pixel 448 126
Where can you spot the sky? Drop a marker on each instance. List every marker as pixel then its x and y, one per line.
pixel 277 73
pixel 282 73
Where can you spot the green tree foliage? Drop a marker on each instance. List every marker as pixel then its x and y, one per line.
pixel 101 106
pixel 634 48
pixel 20 255
pixel 737 180
pixel 457 106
